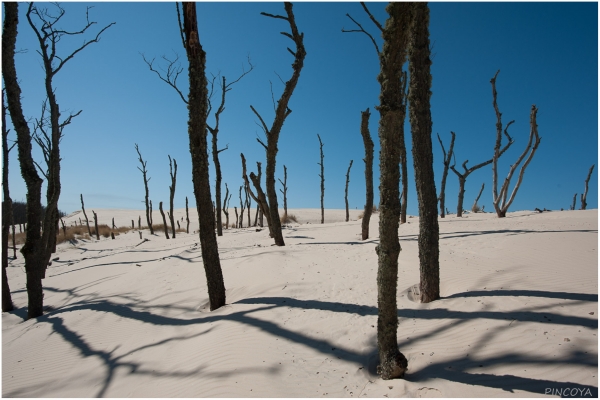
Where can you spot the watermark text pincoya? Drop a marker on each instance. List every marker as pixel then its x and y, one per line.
pixel 569 392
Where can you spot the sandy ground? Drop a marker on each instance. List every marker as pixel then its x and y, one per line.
pixel 518 315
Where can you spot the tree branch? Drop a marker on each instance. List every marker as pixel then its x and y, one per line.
pixel 363 31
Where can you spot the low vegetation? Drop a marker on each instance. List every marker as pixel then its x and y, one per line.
pixel 287 218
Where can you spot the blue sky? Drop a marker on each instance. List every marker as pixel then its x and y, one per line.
pixel 547 54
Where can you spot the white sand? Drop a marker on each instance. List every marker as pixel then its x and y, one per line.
pixel 518 317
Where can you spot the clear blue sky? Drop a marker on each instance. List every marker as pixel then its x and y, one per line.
pixel 547 54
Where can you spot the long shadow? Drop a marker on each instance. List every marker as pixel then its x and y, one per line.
pixel 427 314
pixel 528 293
pixel 455 370
pixel 132 311
pixel 451 235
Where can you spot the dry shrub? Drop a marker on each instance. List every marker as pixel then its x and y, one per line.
pixel 476 208
pixel 362 214
pixel 287 218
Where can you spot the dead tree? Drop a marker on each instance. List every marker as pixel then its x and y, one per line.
pixel 392 363
pixel 574 200
pixel 248 204
pixel 241 224
pixel 366 135
pixel 322 176
pixel 283 191
pixel 447 159
pixel 226 206
pixel 113 223
pixel 164 220
pixel 144 172
pixel 281 113
pixel 7 304
pixel 462 178
pixel 64 228
pixel 169 76
pixel 197 129
pixel 187 216
pixel 151 220
pixel 501 204
pixel 87 222
pixel 260 197
pixel 38 247
pixel 403 160
pixel 172 167
pixel 96 225
pixel 420 122
pixel 584 195
pixel 346 192
pixel 475 207
pixel 236 216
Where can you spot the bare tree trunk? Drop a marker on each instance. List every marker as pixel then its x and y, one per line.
pixel 139 222
pixel 236 217
pixel 187 216
pixel 7 304
pixel 346 192
pixel 284 191
pixel 113 223
pixel 366 135
pixel 260 197
pixel 461 195
pixel 87 222
pixel 248 204
pixel 64 228
pixel 501 205
pixel 281 114
pixel 574 200
pixel 447 159
pixel 151 221
pixel 392 363
pixel 241 225
pixel 198 107
pixel 420 122
pixel 164 220
pixel 256 215
pixel 226 206
pixel 173 173
pixel 475 207
pixel 322 176
pixel 144 172
pixel 584 195
pixel 96 225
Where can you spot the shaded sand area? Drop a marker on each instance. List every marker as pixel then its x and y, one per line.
pixel 518 317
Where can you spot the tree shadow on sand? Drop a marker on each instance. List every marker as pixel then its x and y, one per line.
pixel 461 370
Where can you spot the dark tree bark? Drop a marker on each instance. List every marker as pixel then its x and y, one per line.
pixel 346 192
pixel 447 159
pixel 87 221
pixel 501 204
pixel 366 135
pixel 172 167
pixel 392 363
pixel 187 216
pixel 151 221
pixel 584 195
pixel 260 197
pixel 7 304
pixel 475 207
pixel 96 225
pixel 144 172
pixel 283 192
pixel 113 223
pixel 241 224
pixel 256 215
pixel 420 122
pixel 164 220
pixel 281 114
pixel 38 248
pixel 248 204
pixel 236 216
pixel 198 107
pixel 322 176
pixel 572 205
pixel 226 206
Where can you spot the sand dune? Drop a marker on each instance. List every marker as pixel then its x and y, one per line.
pixel 518 317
